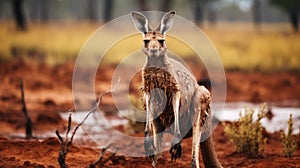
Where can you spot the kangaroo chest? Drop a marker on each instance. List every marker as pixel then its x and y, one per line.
pixel 161 86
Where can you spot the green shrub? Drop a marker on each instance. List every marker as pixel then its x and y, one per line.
pixel 289 143
pixel 246 134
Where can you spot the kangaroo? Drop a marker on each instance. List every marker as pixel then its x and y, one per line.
pixel 174 102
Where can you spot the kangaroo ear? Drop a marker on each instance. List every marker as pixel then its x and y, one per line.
pixel 166 22
pixel 140 22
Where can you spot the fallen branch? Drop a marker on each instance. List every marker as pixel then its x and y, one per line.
pixel 28 124
pixel 101 162
pixel 66 143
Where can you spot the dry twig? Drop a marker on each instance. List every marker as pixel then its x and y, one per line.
pixel 66 143
pixel 28 124
pixel 101 162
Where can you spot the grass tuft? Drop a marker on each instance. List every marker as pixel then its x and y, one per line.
pixel 289 143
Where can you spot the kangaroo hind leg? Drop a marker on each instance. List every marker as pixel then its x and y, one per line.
pixel 199 107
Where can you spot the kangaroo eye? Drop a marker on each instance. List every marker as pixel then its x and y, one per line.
pixel 146 41
pixel 161 42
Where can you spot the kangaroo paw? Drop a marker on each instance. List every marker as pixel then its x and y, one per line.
pixel 175 151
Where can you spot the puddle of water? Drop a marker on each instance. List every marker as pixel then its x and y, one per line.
pixel 96 128
pixel 100 128
pixel 96 120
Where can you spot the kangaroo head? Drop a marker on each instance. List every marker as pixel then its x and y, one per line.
pixel 154 39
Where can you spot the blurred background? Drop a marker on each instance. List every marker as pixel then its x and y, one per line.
pixel 248 34
pixel 258 42
pixel 212 11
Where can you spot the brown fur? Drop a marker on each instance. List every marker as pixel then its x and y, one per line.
pixel 173 99
pixel 161 79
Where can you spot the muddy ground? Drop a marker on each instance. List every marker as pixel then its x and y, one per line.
pixel 48 91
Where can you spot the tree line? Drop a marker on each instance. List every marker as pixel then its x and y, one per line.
pixel 201 9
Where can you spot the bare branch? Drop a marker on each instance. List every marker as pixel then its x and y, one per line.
pixel 110 157
pixel 99 160
pixel 94 108
pixel 69 123
pixel 28 125
pixel 59 137
pixel 66 143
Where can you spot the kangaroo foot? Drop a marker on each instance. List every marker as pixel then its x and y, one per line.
pixel 175 151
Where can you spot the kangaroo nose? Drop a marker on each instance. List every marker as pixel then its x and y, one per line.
pixel 152 46
pixel 153 50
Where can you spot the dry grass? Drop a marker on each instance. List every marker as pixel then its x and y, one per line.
pixel 288 140
pixel 240 45
pixel 53 43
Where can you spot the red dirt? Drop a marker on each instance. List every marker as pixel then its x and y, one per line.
pixel 48 91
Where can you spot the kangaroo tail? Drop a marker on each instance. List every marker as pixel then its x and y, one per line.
pixel 208 153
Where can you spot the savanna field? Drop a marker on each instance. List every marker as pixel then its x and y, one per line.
pixel 262 64
pixel 270 47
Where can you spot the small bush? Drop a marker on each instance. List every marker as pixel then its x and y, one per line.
pixel 246 134
pixel 289 144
